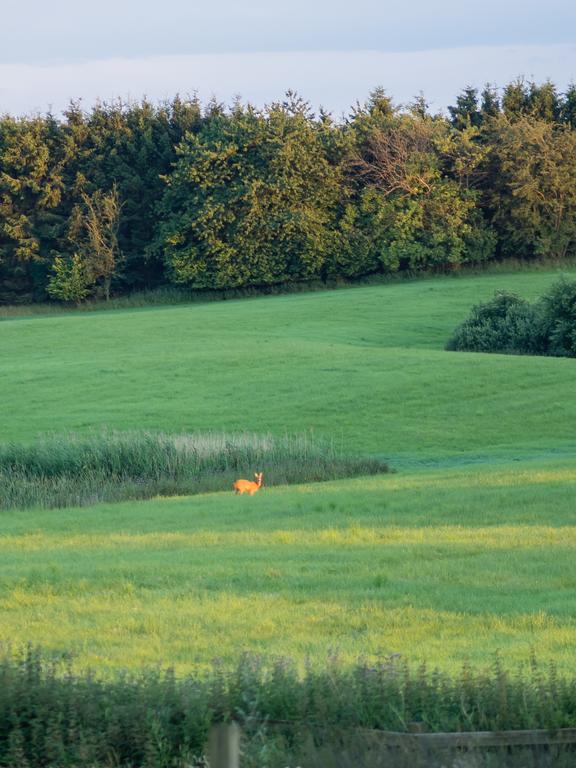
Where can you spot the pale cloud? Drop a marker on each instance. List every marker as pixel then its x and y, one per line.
pixel 334 79
pixel 37 31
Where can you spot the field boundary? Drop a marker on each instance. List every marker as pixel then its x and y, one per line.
pixel 224 746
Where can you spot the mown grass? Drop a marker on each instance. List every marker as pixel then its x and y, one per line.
pixel 444 566
pixel 364 366
pixel 69 470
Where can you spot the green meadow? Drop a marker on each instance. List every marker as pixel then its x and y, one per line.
pixel 467 550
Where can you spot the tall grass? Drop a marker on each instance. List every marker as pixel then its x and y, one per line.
pixel 73 470
pixel 52 717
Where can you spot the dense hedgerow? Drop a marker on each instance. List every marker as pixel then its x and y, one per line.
pixel 510 324
pixel 133 196
pixel 50 717
pixel 75 470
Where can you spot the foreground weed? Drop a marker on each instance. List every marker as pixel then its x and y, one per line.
pixel 52 717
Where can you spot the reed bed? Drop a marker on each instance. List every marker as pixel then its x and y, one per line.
pixel 73 470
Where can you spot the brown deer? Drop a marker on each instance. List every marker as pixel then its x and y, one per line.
pixel 249 486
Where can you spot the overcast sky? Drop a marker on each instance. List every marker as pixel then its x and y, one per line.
pixel 332 52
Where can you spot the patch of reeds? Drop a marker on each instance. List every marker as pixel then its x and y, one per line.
pixel 74 470
pixel 50 716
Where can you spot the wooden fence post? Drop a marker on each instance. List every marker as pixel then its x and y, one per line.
pixel 420 753
pixel 224 746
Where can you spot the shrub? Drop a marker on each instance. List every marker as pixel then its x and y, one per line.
pixel 506 323
pixel 71 280
pixel 558 313
pixel 510 324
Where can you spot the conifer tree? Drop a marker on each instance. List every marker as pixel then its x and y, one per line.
pixel 490 103
pixel 31 187
pixel 466 113
pixel 534 193
pixel 71 279
pixel 568 107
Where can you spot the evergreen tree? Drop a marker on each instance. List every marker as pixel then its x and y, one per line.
pixel 31 190
pixel 466 113
pixel 568 107
pixel 229 197
pixel 534 194
pixel 543 102
pixel 516 99
pixel 71 279
pixel 490 103
pixel 419 107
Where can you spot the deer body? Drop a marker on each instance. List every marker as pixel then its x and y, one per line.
pixel 248 486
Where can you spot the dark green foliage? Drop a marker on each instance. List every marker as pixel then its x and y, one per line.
pixel 31 196
pixel 71 280
pixel 533 194
pixel 508 323
pixel 51 717
pixel 516 99
pixel 73 470
pixel 490 106
pixel 226 198
pixel 49 167
pixel 48 717
pixel 361 245
pixel 466 112
pixel 250 200
pixel 544 102
pixel 418 209
pixel 568 107
pixel 557 310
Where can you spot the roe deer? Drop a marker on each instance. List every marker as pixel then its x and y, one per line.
pixel 248 486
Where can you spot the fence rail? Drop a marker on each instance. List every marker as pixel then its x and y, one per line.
pixel 225 740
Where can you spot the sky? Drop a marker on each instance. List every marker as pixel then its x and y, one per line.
pixel 332 52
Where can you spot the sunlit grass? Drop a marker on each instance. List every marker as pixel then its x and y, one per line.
pixel 468 549
pixel 112 631
pixel 445 566
pixel 504 537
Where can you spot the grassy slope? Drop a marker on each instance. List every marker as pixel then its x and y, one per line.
pixel 364 365
pixel 442 564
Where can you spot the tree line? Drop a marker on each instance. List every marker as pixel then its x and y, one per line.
pixel 127 196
